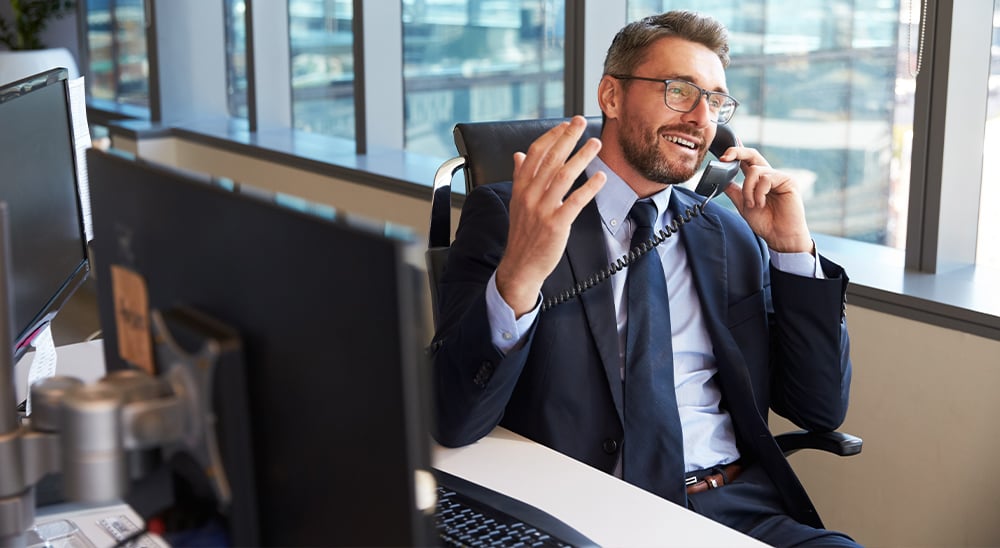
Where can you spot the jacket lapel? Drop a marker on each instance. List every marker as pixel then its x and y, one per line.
pixel 586 254
pixel 705 246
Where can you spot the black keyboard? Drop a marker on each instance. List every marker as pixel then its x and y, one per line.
pixel 469 514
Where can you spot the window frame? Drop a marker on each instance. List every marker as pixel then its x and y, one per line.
pixel 934 279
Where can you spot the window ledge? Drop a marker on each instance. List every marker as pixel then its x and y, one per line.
pixel 963 298
pixel 387 169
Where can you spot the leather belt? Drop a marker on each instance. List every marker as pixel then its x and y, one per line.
pixel 720 476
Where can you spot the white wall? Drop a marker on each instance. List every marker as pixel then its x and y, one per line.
pixel 925 399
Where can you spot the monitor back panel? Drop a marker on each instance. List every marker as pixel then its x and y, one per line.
pixel 325 311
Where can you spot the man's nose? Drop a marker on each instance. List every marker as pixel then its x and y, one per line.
pixel 701 115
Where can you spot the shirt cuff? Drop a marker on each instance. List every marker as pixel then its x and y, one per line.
pixel 506 330
pixel 801 264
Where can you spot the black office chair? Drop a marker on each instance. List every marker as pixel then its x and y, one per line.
pixel 486 151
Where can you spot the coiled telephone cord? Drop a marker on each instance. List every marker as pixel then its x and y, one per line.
pixel 622 263
pixel 638 251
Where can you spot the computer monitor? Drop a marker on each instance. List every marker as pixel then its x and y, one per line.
pixel 331 327
pixel 39 184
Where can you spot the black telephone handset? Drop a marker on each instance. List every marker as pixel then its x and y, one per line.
pixel 718 175
pixel 714 180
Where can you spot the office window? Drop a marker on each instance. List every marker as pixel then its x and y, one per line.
pixel 236 58
pixel 988 250
pixel 116 41
pixel 322 66
pixel 477 60
pixel 827 90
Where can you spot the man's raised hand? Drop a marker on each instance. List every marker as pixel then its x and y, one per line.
pixel 541 212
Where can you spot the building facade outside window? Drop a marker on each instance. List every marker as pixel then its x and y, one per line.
pixel 118 69
pixel 827 86
pixel 322 66
pixel 479 60
pixel 826 90
pixel 236 58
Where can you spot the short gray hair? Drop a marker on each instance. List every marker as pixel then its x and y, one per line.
pixel 629 46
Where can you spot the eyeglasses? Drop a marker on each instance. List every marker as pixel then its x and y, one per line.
pixel 683 96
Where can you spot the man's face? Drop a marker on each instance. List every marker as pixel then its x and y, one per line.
pixel 663 145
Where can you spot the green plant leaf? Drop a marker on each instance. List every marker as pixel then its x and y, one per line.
pixel 30 18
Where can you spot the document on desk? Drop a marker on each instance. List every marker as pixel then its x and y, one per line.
pixel 81 140
pixel 43 362
pixel 606 509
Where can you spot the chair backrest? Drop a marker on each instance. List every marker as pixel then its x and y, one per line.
pixel 486 155
pixel 489 147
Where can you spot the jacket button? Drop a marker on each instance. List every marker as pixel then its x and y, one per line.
pixel 483 374
pixel 610 446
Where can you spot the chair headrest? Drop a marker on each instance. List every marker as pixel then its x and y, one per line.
pixel 489 147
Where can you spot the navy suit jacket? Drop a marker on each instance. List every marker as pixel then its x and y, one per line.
pixel 780 342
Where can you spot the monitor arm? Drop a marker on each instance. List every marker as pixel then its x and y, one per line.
pixel 87 431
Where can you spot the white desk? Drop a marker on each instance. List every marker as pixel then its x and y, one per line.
pixel 607 510
pixel 602 507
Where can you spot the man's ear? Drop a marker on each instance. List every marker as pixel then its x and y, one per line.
pixel 609 96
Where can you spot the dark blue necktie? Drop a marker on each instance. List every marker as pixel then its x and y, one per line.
pixel 653 452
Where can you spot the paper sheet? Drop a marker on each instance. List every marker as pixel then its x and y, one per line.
pixel 81 137
pixel 43 364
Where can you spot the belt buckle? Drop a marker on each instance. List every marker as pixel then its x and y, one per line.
pixel 690 480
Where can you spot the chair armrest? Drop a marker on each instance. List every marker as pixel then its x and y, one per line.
pixel 838 443
pixel 437 259
pixel 440 227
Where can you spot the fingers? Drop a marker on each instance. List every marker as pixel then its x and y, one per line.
pixel 580 197
pixel 518 162
pixel 760 179
pixel 760 184
pixel 735 193
pixel 541 146
pixel 748 157
pixel 756 188
pixel 545 171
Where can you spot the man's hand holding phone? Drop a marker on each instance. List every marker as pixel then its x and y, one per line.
pixel 770 202
pixel 541 212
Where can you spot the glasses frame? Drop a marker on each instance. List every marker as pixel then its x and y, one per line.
pixel 701 91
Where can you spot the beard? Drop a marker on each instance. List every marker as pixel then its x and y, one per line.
pixel 642 151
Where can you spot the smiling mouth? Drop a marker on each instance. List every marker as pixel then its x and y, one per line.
pixel 681 141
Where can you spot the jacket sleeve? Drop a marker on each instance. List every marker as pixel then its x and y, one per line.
pixel 473 380
pixel 811 365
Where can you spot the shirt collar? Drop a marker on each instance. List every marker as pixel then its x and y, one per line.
pixel 616 198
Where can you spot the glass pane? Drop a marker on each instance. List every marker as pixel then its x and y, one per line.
pixel 116 44
pixel 322 66
pixel 988 252
pixel 236 58
pixel 476 60
pixel 826 92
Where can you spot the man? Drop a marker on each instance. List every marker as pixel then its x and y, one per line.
pixel 751 325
